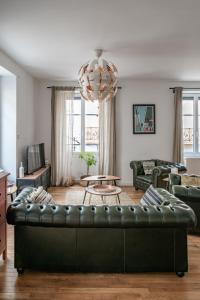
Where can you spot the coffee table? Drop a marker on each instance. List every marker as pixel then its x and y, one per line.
pixel 90 189
pixel 100 178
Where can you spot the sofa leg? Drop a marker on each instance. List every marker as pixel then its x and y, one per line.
pixel 136 188
pixel 20 271
pixel 180 274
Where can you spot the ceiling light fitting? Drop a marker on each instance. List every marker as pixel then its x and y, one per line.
pixel 98 79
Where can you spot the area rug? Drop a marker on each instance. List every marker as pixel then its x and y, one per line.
pixel 76 198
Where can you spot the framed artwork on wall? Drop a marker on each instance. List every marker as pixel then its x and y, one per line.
pixel 144 119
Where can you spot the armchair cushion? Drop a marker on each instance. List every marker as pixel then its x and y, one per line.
pixel 146 178
pixel 148 167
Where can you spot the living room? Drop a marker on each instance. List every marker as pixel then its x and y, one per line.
pixel 99 137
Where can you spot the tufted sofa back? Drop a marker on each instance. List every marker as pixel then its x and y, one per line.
pixel 175 214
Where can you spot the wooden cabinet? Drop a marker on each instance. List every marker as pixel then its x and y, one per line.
pixel 42 177
pixel 3 206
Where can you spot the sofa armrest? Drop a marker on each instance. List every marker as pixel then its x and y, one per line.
pixel 158 173
pixel 137 167
pixel 174 179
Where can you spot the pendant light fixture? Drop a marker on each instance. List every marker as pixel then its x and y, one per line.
pixel 98 79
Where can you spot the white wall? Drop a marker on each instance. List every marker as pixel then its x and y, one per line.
pixel 25 87
pixel 129 146
pixel 8 125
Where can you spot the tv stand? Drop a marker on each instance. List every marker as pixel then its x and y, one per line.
pixel 41 177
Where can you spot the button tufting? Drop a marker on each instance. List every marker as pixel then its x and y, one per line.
pixel 93 208
pixel 106 208
pixel 132 208
pixel 67 207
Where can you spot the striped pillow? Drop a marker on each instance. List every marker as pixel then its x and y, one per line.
pixel 40 196
pixel 152 197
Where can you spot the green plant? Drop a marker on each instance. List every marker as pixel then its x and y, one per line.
pixel 89 158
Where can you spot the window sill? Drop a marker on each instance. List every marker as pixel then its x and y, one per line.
pixel 191 155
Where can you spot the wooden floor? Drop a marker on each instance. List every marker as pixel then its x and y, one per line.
pixel 151 286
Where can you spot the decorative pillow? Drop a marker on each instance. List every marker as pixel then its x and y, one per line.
pixel 152 197
pixel 40 196
pixel 190 180
pixel 148 167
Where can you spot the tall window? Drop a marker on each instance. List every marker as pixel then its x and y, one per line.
pixel 85 125
pixel 191 123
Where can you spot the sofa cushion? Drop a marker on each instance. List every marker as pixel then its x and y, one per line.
pixel 152 197
pixel 148 166
pixel 40 196
pixel 146 178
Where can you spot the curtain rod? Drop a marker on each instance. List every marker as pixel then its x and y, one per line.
pixel 76 87
pixel 172 88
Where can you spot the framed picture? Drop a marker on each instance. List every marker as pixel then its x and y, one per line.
pixel 144 119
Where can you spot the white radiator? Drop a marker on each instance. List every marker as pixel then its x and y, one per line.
pixel 193 165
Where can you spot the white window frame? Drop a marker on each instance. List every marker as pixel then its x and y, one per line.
pixel 76 153
pixel 196 133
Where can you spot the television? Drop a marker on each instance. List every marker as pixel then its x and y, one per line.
pixel 35 158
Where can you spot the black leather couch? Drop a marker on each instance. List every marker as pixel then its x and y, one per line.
pixel 101 238
pixel 189 195
pixel 160 171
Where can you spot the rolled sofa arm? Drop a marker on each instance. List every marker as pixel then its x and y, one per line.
pixel 159 172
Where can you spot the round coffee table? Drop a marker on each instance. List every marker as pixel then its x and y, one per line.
pixel 100 178
pixel 90 189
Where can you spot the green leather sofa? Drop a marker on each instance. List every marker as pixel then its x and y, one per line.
pixel 101 238
pixel 161 171
pixel 189 195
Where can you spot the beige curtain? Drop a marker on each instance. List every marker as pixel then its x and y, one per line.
pixel 107 137
pixel 61 135
pixel 178 128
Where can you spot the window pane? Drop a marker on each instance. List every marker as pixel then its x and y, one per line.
pixel 187 107
pixel 91 107
pixel 188 133
pixel 77 133
pixel 76 106
pixel 91 132
pixel 91 148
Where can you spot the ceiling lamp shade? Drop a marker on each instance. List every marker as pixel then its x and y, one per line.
pixel 98 79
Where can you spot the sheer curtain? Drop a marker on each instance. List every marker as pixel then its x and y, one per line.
pixel 107 137
pixel 178 128
pixel 61 135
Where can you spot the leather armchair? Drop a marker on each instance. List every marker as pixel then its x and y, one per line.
pixel 189 195
pixel 101 238
pixel 161 171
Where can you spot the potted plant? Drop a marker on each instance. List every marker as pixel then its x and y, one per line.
pixel 90 160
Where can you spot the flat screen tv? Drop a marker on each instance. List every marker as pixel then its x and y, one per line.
pixel 35 158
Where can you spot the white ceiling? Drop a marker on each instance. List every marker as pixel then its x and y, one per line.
pixel 144 38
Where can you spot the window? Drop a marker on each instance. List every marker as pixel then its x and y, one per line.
pixel 85 125
pixel 191 123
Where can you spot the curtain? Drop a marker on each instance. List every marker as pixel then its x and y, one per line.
pixel 61 135
pixel 107 137
pixel 178 128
